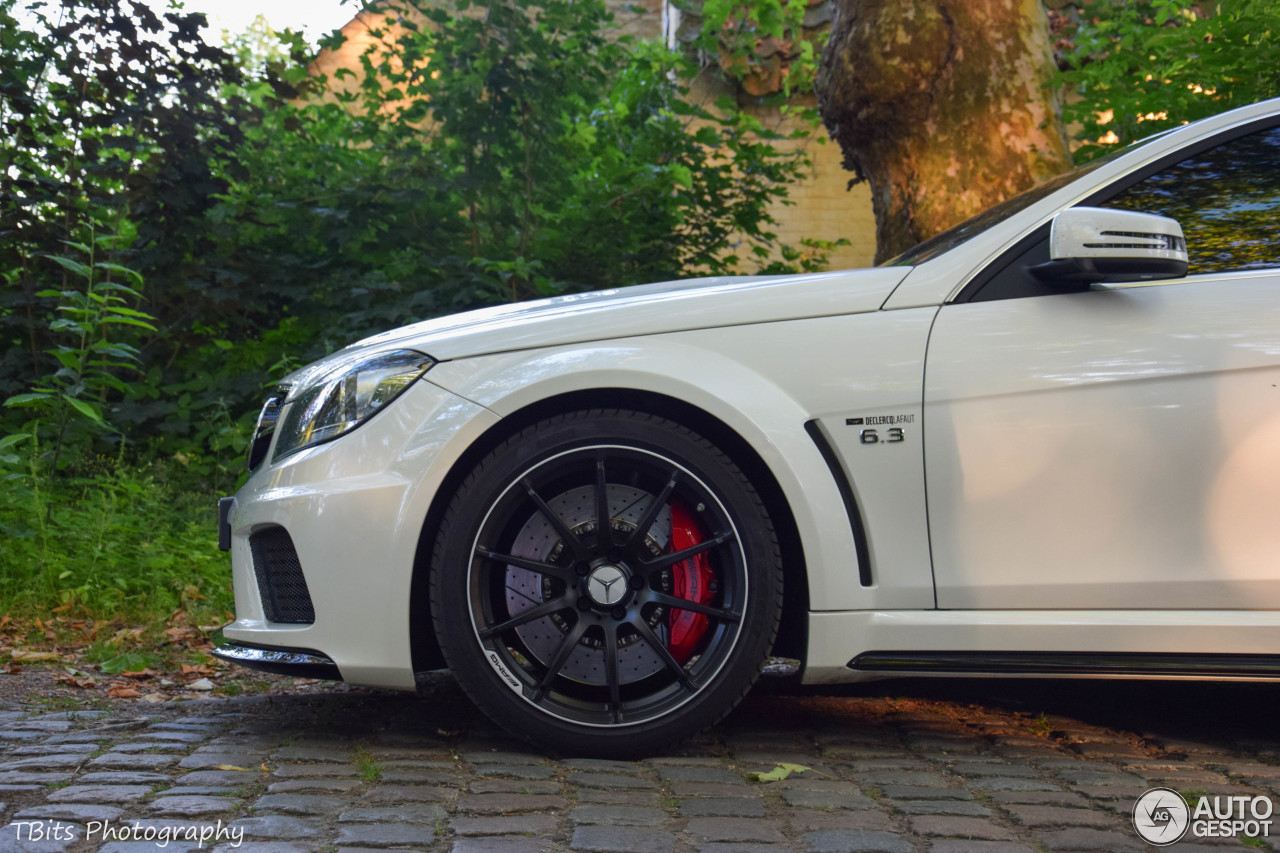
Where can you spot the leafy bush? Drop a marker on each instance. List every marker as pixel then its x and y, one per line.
pixel 1140 67
pixel 484 152
pixel 491 152
pixel 88 354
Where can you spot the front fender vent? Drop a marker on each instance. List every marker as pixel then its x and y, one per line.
pixel 281 584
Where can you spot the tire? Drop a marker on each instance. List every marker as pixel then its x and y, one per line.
pixel 616 643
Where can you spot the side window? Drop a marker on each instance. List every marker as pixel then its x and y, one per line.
pixel 1227 200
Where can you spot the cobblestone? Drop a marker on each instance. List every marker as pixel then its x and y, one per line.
pixel 855 841
pixel 947 826
pixel 504 803
pixel 618 815
pixel 622 839
pixel 99 794
pixel 504 825
pixel 1055 816
pixel 733 829
pixel 394 814
pixel 191 806
pixel 277 826
pixel 609 781
pixel 805 799
pixel 300 804
pixel 886 775
pixel 803 820
pixel 386 835
pixel 721 807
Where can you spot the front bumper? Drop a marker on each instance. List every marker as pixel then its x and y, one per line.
pixel 354 510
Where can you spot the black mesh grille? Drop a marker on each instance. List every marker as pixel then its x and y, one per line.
pixel 280 581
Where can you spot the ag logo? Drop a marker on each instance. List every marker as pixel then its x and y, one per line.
pixel 1161 817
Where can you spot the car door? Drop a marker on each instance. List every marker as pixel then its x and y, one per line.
pixel 1119 447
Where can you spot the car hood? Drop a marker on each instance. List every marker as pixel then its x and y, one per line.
pixel 647 309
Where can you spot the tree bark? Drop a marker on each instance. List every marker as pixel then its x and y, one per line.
pixel 943 105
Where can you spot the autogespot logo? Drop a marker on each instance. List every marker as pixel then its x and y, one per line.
pixel 1161 817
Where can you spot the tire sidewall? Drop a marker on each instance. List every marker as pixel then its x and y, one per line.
pixel 452 558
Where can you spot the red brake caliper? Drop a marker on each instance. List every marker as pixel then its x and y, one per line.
pixel 690 580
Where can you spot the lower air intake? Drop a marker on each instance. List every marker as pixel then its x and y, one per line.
pixel 281 584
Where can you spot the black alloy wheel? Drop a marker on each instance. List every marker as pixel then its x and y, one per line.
pixel 606 582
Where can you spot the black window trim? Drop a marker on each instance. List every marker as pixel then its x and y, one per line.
pixel 979 280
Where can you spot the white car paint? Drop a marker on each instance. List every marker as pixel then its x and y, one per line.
pixel 1032 505
pixel 1108 449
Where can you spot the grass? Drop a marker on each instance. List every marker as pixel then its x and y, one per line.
pixel 113 542
pixel 107 576
pixel 370 771
pixel 1040 725
pixel 70 704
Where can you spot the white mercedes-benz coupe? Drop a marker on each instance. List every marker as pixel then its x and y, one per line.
pixel 1045 442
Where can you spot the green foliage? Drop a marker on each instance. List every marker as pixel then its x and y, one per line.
pixel 761 44
pixel 1140 67
pixel 493 157
pixel 131 661
pixel 112 120
pixel 778 773
pixel 370 770
pixel 88 353
pixel 483 153
pixel 126 541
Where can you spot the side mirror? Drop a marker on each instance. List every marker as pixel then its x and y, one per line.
pixel 1095 244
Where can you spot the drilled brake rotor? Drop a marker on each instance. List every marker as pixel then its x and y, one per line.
pixel 538 540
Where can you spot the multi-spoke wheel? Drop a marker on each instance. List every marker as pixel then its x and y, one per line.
pixel 606 582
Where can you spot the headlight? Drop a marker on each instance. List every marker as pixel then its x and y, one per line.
pixel 347 396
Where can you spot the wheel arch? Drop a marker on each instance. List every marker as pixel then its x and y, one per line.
pixel 792 639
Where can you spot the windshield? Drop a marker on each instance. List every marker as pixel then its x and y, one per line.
pixel 953 237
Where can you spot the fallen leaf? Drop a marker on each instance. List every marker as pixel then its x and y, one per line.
pixel 13 669
pixel 123 692
pixel 233 767
pixel 778 773
pixel 139 673
pixel 448 732
pixel 82 683
pixel 201 684
pixel 28 657
pixel 154 697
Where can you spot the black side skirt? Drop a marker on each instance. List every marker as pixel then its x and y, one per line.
pixel 300 663
pixel 1070 663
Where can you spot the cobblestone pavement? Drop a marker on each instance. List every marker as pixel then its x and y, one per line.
pixel 986 767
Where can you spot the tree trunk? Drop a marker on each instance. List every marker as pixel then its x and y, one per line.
pixel 943 105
